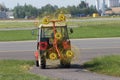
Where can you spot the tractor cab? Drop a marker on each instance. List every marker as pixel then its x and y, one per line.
pixel 46 32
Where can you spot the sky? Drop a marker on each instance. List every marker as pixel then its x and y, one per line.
pixel 39 3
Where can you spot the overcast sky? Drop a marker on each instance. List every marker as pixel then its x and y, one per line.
pixel 39 3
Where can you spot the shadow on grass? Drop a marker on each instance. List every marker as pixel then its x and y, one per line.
pixel 91 65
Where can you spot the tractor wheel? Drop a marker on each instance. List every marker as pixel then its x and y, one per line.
pixel 37 63
pixel 65 64
pixel 37 57
pixel 43 62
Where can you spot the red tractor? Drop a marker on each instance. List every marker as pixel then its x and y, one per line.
pixel 53 42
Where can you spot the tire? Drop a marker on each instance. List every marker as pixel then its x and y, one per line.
pixel 37 63
pixel 43 62
pixel 65 64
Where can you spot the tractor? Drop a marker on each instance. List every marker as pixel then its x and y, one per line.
pixel 53 42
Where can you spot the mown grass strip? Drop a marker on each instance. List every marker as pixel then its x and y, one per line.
pixel 71 22
pixel 16 35
pixel 79 32
pixel 16 24
pixel 17 70
pixel 99 31
pixel 92 22
pixel 90 29
pixel 109 65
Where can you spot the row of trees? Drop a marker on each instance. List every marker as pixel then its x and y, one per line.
pixel 25 11
pixel 3 8
pixel 28 11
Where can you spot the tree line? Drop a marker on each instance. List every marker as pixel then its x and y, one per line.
pixel 3 8
pixel 29 11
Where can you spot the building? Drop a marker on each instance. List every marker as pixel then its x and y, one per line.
pixel 3 15
pixel 113 3
pixel 114 10
pixel 10 14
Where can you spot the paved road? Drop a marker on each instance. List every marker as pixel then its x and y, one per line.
pixel 94 19
pixel 73 20
pixel 89 48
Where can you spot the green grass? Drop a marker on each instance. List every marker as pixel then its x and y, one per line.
pixel 16 24
pixel 16 35
pixel 97 29
pixel 100 31
pixel 109 65
pixel 87 22
pixel 90 29
pixel 29 24
pixel 17 70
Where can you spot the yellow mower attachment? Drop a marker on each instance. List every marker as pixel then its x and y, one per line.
pixel 53 56
pixel 58 36
pixel 45 20
pixel 61 17
pixel 69 54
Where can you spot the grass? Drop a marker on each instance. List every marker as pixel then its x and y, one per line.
pixel 92 22
pixel 109 65
pixel 16 24
pixel 84 29
pixel 73 22
pixel 17 70
pixel 99 31
pixel 16 35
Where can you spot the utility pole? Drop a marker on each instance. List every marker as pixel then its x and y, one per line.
pixel 103 8
pixel 98 5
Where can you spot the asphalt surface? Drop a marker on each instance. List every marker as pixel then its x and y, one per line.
pixel 73 20
pixel 89 48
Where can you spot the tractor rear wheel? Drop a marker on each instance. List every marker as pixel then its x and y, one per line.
pixel 65 64
pixel 43 62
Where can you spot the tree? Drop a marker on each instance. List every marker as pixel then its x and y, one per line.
pixel 48 10
pixel 3 7
pixel 82 5
pixel 92 10
pixel 25 11
pixel 19 12
pixel 72 10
